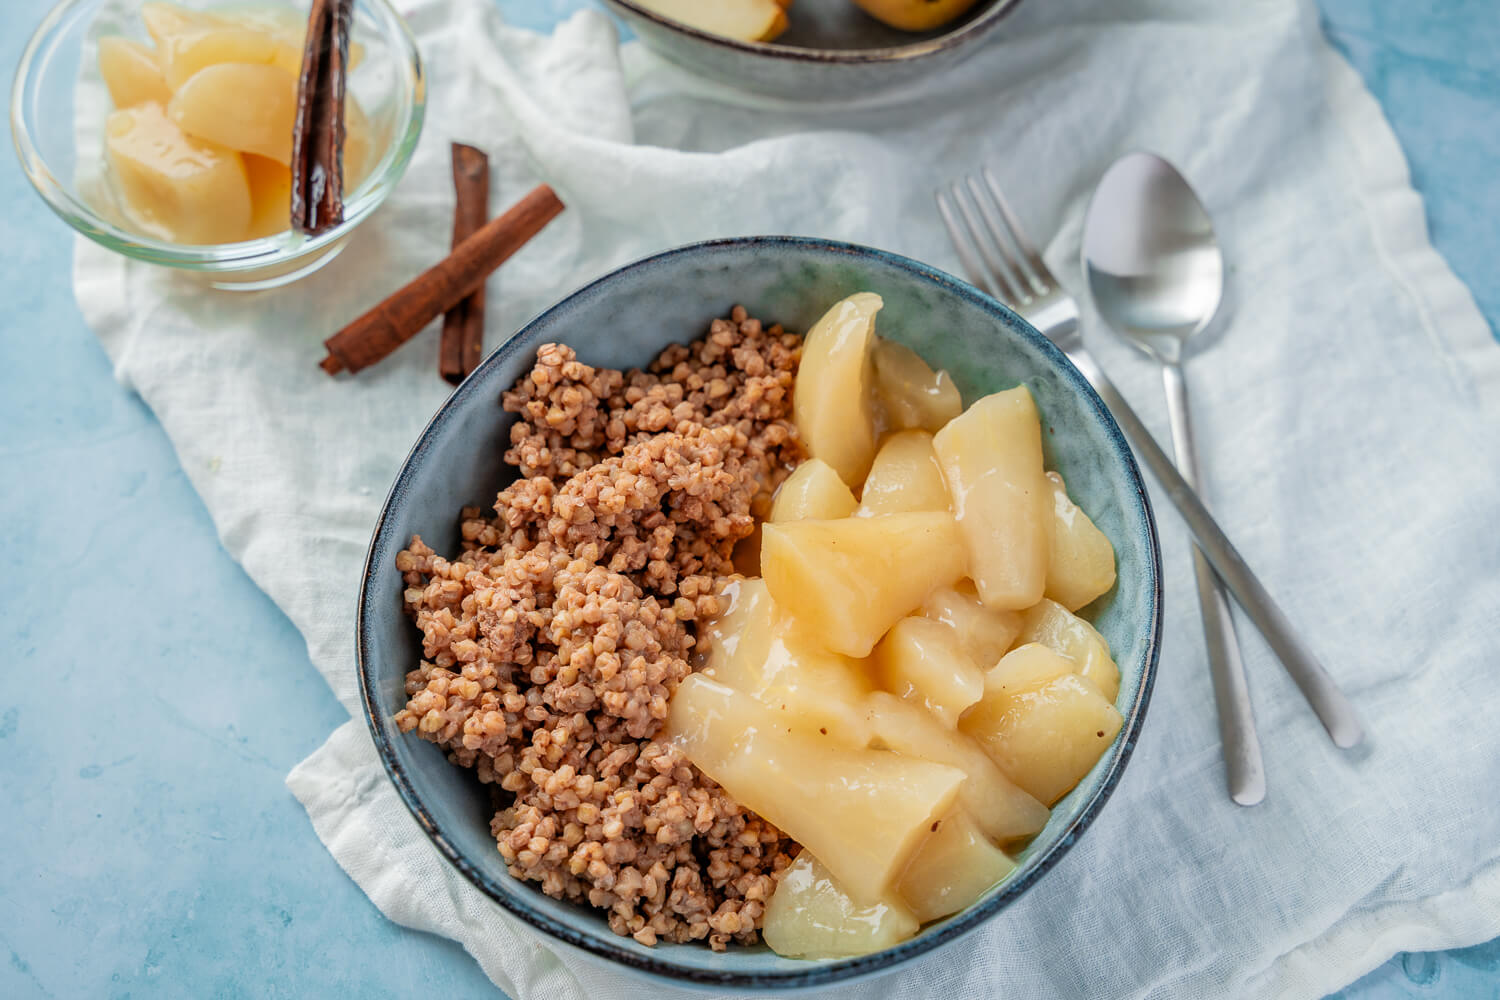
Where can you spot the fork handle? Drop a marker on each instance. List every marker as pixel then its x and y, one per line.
pixel 1332 708
pixel 1244 769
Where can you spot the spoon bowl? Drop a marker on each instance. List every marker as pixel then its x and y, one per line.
pixel 1153 263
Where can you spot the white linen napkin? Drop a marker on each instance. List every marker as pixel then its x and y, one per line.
pixel 1347 414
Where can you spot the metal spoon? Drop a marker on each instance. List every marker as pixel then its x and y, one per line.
pixel 1157 277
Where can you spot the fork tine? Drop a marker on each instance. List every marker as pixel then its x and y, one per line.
pixel 1002 276
pixel 1038 275
pixel 963 245
pixel 999 234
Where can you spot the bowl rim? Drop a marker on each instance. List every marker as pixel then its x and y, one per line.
pixel 972 28
pixel 820 973
pixel 214 258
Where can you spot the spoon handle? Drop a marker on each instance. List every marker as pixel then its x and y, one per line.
pixel 1243 767
pixel 1332 708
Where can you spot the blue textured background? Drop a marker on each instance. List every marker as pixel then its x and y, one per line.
pixel 150 847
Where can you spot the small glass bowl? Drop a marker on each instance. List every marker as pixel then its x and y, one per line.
pixel 59 105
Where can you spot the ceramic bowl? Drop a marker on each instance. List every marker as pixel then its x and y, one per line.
pixel 59 105
pixel 831 50
pixel 623 320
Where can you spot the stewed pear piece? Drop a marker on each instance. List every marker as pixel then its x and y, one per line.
pixel 359 144
pixel 1080 560
pixel 250 107
pixel 1044 725
pixel 1057 628
pixel 832 405
pixel 811 916
pixel 176 186
pixel 986 634
pixel 848 581
pixel 747 20
pixel 270 195
pixel 905 476
pixel 189 40
pixel 955 865
pixel 813 491
pixel 733 644
pixel 1003 810
pixel 909 392
pixel 131 73
pixel 915 15
pixel 287 27
pixel 924 662
pixel 992 463
pixel 755 649
pixel 860 812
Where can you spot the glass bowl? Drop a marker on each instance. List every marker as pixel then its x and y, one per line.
pixel 59 105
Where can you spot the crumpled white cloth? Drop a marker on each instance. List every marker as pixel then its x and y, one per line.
pixel 1347 414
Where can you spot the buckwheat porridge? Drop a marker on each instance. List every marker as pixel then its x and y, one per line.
pixel 552 644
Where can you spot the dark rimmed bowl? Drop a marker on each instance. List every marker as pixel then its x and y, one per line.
pixel 622 320
pixel 831 51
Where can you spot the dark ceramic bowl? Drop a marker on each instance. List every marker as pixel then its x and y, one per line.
pixel 623 320
pixel 832 50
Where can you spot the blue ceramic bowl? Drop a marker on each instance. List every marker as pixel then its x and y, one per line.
pixel 624 319
pixel 831 50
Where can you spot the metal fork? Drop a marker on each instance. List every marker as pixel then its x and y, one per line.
pixel 1009 267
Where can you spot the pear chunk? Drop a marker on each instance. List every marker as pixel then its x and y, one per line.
pixel 848 581
pixel 810 916
pixel 814 491
pixel 270 196
pixel 915 15
pixel 177 187
pixel 1057 628
pixel 755 649
pixel 734 644
pixel 910 393
pixel 747 20
pixel 245 106
pixel 955 865
pixel 986 634
pixel 831 405
pixel 287 27
pixel 860 812
pixel 359 144
pixel 131 73
pixel 1025 668
pixel 1080 562
pixel 905 476
pixel 165 21
pixel 1002 810
pixel 992 463
pixel 1040 722
pixel 923 661
pixel 814 691
pixel 189 40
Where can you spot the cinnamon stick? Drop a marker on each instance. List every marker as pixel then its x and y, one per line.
pixel 463 325
pixel 318 132
pixel 439 288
